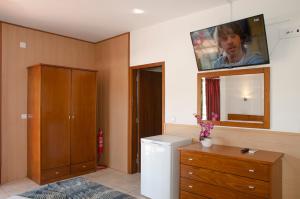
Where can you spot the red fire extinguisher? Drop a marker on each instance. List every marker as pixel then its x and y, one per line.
pixel 100 143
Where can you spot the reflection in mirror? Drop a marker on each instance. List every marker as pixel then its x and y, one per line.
pixel 237 98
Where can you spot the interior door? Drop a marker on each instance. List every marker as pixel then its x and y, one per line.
pixel 149 105
pixel 56 93
pixel 83 124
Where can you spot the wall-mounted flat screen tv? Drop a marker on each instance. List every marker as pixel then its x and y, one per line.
pixel 235 44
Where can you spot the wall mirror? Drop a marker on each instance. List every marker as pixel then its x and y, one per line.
pixel 239 98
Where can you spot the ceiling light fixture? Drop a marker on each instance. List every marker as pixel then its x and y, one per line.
pixel 138 11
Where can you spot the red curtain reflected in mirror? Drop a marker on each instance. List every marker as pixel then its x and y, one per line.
pixel 212 87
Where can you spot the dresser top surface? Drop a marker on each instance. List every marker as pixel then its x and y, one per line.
pixel 268 157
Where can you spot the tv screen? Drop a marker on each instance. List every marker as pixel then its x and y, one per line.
pixel 234 44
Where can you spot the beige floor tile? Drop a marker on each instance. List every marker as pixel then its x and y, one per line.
pixel 18 186
pixel 3 195
pixel 125 183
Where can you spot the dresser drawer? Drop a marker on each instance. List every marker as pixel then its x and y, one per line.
pixel 187 195
pixel 230 181
pixel 212 191
pixel 243 168
pixel 51 174
pixel 82 167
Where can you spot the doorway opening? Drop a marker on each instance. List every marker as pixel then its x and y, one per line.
pixel 146 108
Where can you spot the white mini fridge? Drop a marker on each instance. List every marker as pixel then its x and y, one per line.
pixel 160 166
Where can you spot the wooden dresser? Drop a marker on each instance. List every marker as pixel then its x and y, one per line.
pixel 223 172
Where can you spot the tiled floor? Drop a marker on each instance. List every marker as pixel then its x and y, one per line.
pixel 125 183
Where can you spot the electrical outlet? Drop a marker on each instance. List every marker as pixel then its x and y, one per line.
pixel 290 32
pixel 24 116
pixel 23 44
pixel 173 119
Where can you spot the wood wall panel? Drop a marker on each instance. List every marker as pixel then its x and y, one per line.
pixel 41 48
pixel 0 99
pixel 287 143
pixel 33 125
pixel 112 61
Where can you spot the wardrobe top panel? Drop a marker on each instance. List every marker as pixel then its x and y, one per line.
pixel 73 68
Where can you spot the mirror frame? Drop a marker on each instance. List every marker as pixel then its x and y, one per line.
pixel 263 70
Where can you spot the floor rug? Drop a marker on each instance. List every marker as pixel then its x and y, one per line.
pixel 76 188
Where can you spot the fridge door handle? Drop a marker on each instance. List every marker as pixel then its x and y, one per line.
pixel 155 143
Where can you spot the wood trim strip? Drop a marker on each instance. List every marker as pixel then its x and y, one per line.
pixel 21 26
pixel 129 141
pixel 129 149
pixel 190 129
pixel 130 107
pixel 163 96
pixel 151 65
pixel 238 124
pixel 0 99
pixel 243 117
pixel 267 98
pixel 264 70
pixel 116 37
pixel 66 67
pixel 232 72
pixel 241 124
pixel 199 96
pixel 130 116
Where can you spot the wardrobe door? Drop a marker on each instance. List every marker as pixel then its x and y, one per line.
pixel 83 123
pixel 55 109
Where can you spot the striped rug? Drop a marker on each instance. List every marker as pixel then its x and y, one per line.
pixel 76 188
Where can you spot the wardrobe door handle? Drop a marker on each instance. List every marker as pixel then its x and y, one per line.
pixel 251 187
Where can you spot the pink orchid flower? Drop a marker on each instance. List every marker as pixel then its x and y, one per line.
pixel 206 126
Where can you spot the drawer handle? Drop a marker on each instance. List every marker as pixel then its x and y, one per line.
pixel 190 186
pixel 56 172
pixel 190 159
pixel 191 173
pixel 251 170
pixel 83 166
pixel 251 187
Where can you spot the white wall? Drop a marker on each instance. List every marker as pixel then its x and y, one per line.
pixel 170 42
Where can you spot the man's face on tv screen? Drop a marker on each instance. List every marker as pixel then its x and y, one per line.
pixel 230 42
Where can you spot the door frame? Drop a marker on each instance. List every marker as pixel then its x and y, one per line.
pixel 131 72
pixel 0 101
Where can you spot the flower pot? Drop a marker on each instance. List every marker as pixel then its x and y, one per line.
pixel 206 142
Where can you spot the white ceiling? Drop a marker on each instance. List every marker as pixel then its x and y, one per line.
pixel 95 20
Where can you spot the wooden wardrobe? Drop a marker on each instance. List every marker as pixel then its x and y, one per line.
pixel 61 122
